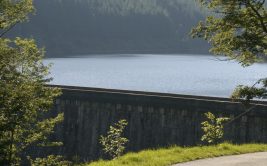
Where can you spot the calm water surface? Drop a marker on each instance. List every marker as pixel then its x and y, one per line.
pixel 183 74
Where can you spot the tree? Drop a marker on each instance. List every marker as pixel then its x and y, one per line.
pixel 24 98
pixel 238 30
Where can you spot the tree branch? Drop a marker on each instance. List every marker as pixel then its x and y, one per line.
pixel 240 115
pixel 8 29
pixel 261 19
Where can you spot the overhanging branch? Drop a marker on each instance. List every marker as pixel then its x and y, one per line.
pixel 258 15
pixel 8 29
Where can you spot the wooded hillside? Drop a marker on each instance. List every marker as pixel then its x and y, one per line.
pixel 72 27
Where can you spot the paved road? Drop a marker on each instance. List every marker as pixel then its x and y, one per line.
pixel 253 159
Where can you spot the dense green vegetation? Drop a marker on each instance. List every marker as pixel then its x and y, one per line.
pixel 238 30
pixel 173 155
pixel 115 26
pixel 24 97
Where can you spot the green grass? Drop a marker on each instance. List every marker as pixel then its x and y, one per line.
pixel 174 155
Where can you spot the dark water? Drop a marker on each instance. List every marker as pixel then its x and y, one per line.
pixel 182 74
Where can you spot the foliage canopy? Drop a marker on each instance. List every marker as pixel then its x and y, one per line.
pixel 238 30
pixel 13 12
pixel 24 98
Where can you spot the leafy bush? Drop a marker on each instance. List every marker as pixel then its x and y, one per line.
pixel 50 161
pixel 213 128
pixel 114 144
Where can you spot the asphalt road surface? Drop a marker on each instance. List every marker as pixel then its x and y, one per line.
pixel 253 159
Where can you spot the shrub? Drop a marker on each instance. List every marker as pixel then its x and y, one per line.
pixel 114 144
pixel 213 128
pixel 50 161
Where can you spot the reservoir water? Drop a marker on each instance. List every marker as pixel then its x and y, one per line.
pixel 203 75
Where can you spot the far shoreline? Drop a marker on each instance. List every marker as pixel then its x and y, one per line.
pixel 126 54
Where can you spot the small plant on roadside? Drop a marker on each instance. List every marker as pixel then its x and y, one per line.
pixel 114 144
pixel 213 128
pixel 50 161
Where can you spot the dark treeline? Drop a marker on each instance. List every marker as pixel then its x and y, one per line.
pixel 72 27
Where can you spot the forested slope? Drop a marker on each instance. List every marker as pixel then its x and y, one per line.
pixel 72 27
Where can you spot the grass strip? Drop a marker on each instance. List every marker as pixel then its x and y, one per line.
pixel 174 155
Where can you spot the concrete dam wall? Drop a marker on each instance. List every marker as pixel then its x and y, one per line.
pixel 154 119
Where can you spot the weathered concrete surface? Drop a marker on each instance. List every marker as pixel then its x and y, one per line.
pixel 253 159
pixel 155 119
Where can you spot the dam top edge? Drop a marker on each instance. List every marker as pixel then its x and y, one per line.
pixel 154 94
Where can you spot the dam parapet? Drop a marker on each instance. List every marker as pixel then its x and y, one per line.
pixel 154 119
